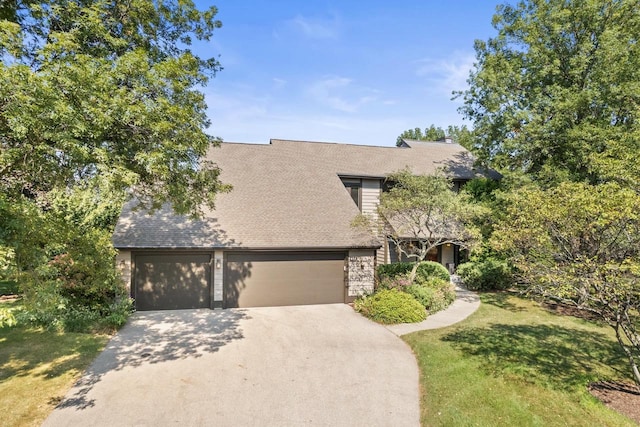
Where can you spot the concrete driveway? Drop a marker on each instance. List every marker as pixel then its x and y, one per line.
pixel 320 365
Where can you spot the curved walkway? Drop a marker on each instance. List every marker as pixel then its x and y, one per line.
pixel 465 304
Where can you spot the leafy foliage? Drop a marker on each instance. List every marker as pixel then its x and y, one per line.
pixel 434 294
pixel 397 281
pixel 580 244
pixel 106 89
pixel 422 212
pixel 486 274
pixel 426 270
pixel 391 306
pixel 97 99
pixel 555 92
pixel 64 267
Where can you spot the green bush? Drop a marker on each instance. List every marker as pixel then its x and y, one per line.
pixel 78 289
pixel 391 306
pixel 430 269
pixel 434 294
pixel 486 274
pixel 399 282
pixel 392 270
pixel 426 269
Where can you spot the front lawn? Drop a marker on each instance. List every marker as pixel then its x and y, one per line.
pixel 37 367
pixel 514 363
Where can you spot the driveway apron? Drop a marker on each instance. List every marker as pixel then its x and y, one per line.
pixel 320 365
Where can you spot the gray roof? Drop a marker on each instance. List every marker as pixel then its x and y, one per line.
pixel 287 195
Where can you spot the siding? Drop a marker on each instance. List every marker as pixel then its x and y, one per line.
pixel 370 197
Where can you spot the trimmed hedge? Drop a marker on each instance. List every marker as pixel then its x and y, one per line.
pixel 389 306
pixel 488 274
pixel 426 270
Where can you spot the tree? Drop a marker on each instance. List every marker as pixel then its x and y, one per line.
pixel 580 244
pixel 106 88
pixel 96 97
pixel 555 93
pixel 459 134
pixel 422 212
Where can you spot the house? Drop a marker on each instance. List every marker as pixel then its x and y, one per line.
pixel 283 235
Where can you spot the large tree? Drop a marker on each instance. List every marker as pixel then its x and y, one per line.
pixel 421 212
pixel 110 89
pixel 580 244
pixel 556 93
pixel 96 97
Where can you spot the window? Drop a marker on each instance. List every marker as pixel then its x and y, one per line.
pixel 354 187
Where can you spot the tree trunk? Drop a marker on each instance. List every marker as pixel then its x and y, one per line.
pixel 414 270
pixel 632 360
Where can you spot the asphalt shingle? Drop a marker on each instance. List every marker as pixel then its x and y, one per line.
pixel 287 195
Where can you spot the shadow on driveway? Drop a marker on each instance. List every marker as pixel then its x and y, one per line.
pixel 152 337
pixel 321 365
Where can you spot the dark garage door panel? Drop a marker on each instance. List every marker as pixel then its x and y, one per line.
pixel 172 281
pixel 277 279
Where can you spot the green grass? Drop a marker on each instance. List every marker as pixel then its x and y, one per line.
pixel 37 367
pixel 513 363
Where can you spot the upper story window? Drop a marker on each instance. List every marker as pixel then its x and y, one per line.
pixel 354 187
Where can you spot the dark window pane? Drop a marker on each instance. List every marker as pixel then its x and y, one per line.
pixel 355 195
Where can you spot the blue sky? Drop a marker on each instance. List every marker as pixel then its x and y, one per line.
pixel 340 71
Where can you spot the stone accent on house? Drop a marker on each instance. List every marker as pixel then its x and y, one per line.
pixel 361 272
pixel 218 275
pixel 123 264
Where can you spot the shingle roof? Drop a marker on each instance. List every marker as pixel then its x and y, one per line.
pixel 287 195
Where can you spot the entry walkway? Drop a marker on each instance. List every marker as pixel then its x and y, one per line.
pixel 465 304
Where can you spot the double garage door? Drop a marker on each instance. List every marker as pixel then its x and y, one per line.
pixel 166 281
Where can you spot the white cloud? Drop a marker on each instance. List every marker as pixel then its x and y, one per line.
pixel 340 94
pixel 446 75
pixel 316 28
pixel 278 83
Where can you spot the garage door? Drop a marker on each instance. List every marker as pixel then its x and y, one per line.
pixel 254 279
pixel 172 281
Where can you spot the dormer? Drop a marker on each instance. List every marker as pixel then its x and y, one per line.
pixel 364 190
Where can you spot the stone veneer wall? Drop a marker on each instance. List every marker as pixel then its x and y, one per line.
pixel 218 276
pixel 361 272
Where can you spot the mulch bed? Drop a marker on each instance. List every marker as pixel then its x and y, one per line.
pixel 621 397
pixel 569 310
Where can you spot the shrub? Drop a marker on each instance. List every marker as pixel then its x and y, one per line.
pixel 429 269
pixel 486 274
pixel 78 289
pixel 390 306
pixel 392 270
pixel 434 294
pixel 399 282
pixel 426 269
